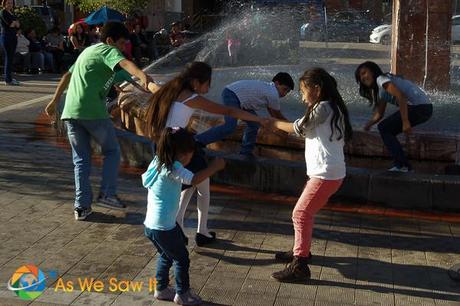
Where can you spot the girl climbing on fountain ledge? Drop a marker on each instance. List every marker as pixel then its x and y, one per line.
pixel 414 108
pixel 325 127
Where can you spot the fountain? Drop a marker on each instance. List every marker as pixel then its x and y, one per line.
pixel 434 147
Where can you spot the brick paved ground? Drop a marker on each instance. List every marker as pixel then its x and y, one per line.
pixel 358 259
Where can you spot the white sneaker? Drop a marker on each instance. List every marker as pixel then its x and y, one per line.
pixel 188 298
pixel 399 169
pixel 167 294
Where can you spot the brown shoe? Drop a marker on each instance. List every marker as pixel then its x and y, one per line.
pixel 296 271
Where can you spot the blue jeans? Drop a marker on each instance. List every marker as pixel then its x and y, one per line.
pixel 217 133
pixel 9 42
pixel 171 248
pixel 80 133
pixel 391 126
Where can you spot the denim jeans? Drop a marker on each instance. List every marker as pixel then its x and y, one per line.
pixel 391 126
pixel 171 248
pixel 80 133
pixel 217 133
pixel 9 42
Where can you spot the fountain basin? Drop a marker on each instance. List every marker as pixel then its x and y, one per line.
pixel 280 167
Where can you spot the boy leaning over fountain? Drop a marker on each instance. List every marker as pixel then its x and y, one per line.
pixel 85 115
pixel 249 95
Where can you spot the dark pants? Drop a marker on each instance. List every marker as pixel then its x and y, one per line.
pixel 391 126
pixel 58 55
pixel 171 248
pixel 217 133
pixel 9 42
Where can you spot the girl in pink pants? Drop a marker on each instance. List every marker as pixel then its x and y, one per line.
pixel 325 127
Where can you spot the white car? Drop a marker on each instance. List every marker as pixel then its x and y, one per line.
pixel 382 34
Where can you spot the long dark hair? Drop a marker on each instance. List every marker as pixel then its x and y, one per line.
pixel 370 93
pixel 340 122
pixel 160 103
pixel 173 142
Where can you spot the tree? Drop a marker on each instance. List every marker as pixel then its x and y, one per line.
pixel 124 6
pixel 29 19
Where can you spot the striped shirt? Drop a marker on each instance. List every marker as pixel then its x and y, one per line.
pixel 255 94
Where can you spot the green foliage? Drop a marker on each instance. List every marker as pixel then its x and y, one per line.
pixel 29 19
pixel 124 6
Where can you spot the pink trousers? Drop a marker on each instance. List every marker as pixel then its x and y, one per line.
pixel 314 196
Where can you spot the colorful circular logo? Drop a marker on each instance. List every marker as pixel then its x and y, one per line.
pixel 28 282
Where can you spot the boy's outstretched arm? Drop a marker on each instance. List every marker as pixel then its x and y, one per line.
pixel 50 109
pixel 134 70
pixel 276 114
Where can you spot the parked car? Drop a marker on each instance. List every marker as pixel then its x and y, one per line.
pixel 46 13
pixel 382 33
pixel 353 26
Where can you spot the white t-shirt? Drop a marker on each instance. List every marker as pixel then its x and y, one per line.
pixel 23 45
pixel 255 94
pixel 180 114
pixel 324 158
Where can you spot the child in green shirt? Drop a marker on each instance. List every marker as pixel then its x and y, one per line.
pixel 85 115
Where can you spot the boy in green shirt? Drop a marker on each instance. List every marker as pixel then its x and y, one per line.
pixel 85 115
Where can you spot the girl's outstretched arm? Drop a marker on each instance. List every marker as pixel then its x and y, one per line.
pixel 212 107
pixel 283 125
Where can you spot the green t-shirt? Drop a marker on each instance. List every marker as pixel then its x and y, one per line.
pixel 91 79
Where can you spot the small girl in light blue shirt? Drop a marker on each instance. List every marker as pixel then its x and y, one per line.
pixel 163 179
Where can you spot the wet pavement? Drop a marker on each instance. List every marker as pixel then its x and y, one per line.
pixel 358 259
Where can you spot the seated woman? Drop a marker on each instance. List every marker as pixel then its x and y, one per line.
pixel 41 60
pixel 22 56
pixel 54 43
pixel 78 38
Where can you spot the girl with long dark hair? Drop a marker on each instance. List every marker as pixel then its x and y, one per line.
pixel 325 127
pixel 172 106
pixel 414 108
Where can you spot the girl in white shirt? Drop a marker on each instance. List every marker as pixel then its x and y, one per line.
pixel 173 106
pixel 325 126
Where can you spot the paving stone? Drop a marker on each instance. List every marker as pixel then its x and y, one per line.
pixel 245 298
pixel 358 259
pixel 132 300
pixel 370 297
pixel 96 299
pixel 51 295
pixel 410 300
